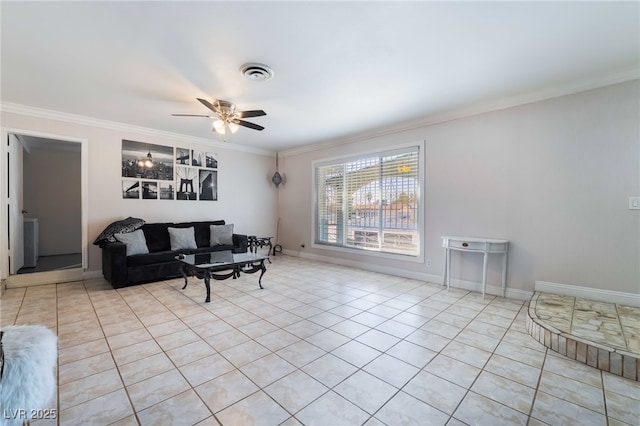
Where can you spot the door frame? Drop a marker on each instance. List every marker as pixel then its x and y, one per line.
pixel 15 203
pixel 49 277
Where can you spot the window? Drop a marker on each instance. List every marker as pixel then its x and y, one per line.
pixel 370 202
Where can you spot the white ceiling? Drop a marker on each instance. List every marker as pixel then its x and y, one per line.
pixel 341 68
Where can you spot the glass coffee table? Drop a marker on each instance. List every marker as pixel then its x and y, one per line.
pixel 220 265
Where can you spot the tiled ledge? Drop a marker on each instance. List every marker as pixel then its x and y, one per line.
pixel 606 358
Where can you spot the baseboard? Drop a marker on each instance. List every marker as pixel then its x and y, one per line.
pixel 421 276
pixel 618 297
pixel 92 275
pixel 369 267
pixel 41 278
pixel 510 293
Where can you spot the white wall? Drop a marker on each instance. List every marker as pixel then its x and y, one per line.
pixel 246 196
pixel 553 177
pixel 52 194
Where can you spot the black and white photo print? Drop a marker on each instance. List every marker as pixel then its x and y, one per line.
pixel 149 190
pixel 197 158
pixel 167 190
pixel 208 185
pixel 186 183
pixel 130 189
pixel 146 161
pixel 182 156
pixel 211 160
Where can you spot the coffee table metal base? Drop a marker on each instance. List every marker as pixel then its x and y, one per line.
pixel 207 274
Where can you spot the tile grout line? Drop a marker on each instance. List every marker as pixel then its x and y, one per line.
pixel 404 293
pixel 135 413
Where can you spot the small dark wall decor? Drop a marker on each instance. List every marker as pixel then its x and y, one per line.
pixel 157 172
pixel 167 190
pixel 149 190
pixel 182 157
pixel 208 184
pixel 211 160
pixel 131 189
pixel 197 158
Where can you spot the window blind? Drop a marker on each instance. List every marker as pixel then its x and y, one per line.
pixel 370 202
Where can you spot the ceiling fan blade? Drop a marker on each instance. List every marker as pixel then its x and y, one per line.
pixel 192 115
pixel 247 124
pixel 207 104
pixel 255 113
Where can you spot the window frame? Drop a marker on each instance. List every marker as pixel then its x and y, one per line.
pixel 343 248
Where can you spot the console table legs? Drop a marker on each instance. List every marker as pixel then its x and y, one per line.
pixel 447 268
pixel 484 274
pixel 447 271
pixel 504 275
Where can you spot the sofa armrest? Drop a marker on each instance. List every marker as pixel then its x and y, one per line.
pixel 240 243
pixel 114 263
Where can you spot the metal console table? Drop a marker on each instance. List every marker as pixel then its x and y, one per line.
pixel 476 245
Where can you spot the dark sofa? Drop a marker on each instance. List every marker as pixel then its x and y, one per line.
pixel 159 264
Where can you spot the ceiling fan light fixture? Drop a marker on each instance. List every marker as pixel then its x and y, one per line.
pixel 227 116
pixel 257 72
pixel 218 126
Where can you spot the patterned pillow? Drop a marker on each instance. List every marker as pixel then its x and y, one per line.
pixel 129 224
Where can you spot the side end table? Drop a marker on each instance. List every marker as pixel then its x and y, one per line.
pixel 477 245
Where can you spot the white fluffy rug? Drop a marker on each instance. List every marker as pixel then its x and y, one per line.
pixel 28 382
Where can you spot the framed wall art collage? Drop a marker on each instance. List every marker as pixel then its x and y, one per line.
pixel 158 172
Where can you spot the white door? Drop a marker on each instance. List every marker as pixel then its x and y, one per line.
pixel 14 199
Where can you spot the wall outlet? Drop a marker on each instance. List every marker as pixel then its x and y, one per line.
pixel 634 203
pixel 428 263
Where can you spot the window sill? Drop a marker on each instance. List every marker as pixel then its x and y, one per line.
pixel 419 258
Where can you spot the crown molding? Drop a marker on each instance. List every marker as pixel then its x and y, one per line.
pixel 584 85
pixel 123 127
pixel 551 92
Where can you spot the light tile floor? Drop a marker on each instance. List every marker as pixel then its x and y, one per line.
pixel 320 345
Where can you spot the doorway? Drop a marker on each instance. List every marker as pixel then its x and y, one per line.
pixel 45 241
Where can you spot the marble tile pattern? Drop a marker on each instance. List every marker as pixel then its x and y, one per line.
pixel 598 322
pixel 602 335
pixel 630 321
pixel 327 345
pixel 556 310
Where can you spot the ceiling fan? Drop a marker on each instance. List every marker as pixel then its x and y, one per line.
pixel 225 115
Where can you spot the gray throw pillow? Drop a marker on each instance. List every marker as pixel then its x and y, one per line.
pixel 182 238
pixel 221 235
pixel 135 241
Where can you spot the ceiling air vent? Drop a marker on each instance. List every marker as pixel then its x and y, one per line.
pixel 256 72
